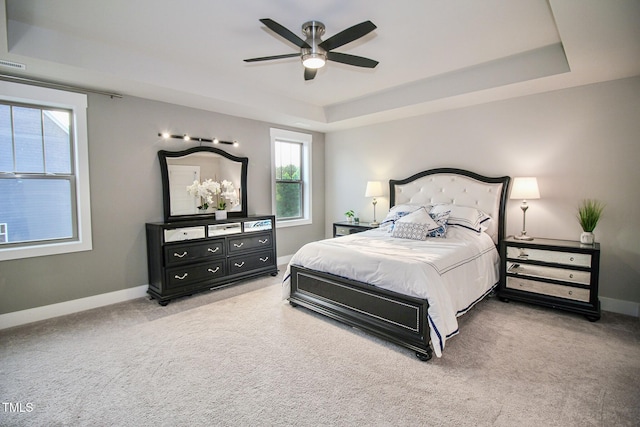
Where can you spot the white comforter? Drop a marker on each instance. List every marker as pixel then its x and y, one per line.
pixel 451 273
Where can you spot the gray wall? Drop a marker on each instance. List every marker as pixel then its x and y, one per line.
pixel 126 193
pixel 580 143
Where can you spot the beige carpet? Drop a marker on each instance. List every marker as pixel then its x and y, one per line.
pixel 241 356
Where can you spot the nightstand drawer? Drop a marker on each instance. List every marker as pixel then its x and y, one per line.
pixel 565 258
pixel 550 289
pixel 343 230
pixel 573 276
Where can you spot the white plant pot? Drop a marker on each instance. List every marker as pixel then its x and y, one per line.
pixel 221 214
pixel 587 238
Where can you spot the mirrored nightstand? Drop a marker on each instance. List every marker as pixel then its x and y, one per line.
pixel 561 274
pixel 344 228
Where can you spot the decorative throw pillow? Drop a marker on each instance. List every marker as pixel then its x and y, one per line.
pixel 464 216
pixel 416 225
pixel 410 230
pixel 397 212
pixel 440 219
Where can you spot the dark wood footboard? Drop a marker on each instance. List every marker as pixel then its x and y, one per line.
pixel 397 318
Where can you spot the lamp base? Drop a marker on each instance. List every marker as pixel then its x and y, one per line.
pixel 523 236
pixel 374 224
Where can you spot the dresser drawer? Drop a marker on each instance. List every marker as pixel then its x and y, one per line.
pixel 573 276
pixel 182 276
pixel 244 243
pixel 181 253
pixel 184 233
pixel 557 257
pixel 551 289
pixel 243 263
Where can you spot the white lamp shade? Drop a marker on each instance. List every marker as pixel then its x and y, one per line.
pixel 374 189
pixel 525 188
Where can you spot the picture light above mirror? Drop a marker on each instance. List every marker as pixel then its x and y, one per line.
pixel 187 137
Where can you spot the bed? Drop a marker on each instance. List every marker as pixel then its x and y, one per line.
pixel 394 282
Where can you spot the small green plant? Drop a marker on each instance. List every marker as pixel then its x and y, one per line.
pixel 350 214
pixel 589 212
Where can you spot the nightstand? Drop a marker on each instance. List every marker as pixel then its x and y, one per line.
pixel 344 228
pixel 561 274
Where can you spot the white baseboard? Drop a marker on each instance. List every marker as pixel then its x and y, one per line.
pixel 284 260
pixel 22 317
pixel 629 308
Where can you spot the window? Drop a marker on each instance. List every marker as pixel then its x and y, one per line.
pixel 44 205
pixel 291 170
pixel 289 184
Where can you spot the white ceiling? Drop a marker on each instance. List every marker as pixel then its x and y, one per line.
pixel 433 54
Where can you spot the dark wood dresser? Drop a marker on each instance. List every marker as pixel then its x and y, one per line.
pixel 185 257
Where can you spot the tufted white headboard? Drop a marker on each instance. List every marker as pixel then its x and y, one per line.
pixel 456 186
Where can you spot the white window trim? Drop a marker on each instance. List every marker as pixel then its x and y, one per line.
pixel 77 102
pixel 306 140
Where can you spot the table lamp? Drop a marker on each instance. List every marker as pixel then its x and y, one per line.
pixel 525 188
pixel 374 189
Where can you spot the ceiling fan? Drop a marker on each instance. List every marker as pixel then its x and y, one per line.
pixel 315 52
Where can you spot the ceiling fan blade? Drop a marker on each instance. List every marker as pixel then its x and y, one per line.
pixel 268 58
pixel 348 35
pixel 358 61
pixel 310 73
pixel 285 33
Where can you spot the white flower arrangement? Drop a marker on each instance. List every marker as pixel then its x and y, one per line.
pixel 212 192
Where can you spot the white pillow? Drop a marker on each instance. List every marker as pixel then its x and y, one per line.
pixel 464 216
pixel 397 212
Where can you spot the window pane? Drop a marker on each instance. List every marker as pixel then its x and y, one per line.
pixel 288 200
pixel 288 160
pixel 27 130
pixel 57 142
pixel 6 144
pixel 36 209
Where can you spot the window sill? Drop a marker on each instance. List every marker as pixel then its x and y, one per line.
pixel 45 250
pixel 293 222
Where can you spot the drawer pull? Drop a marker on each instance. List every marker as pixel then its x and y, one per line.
pixel 184 276
pixel 571 259
pixel 263 241
pixel 239 265
pixel 571 276
pixel 213 271
pixel 238 245
pixel 180 255
pixel 214 250
pixel 265 259
pixel 570 292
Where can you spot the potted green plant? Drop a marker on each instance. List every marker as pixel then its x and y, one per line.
pixel 350 214
pixel 589 213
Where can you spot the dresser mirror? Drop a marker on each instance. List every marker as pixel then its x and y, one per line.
pixel 180 169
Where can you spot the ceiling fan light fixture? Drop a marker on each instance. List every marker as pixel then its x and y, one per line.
pixel 314 60
pixel 315 52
